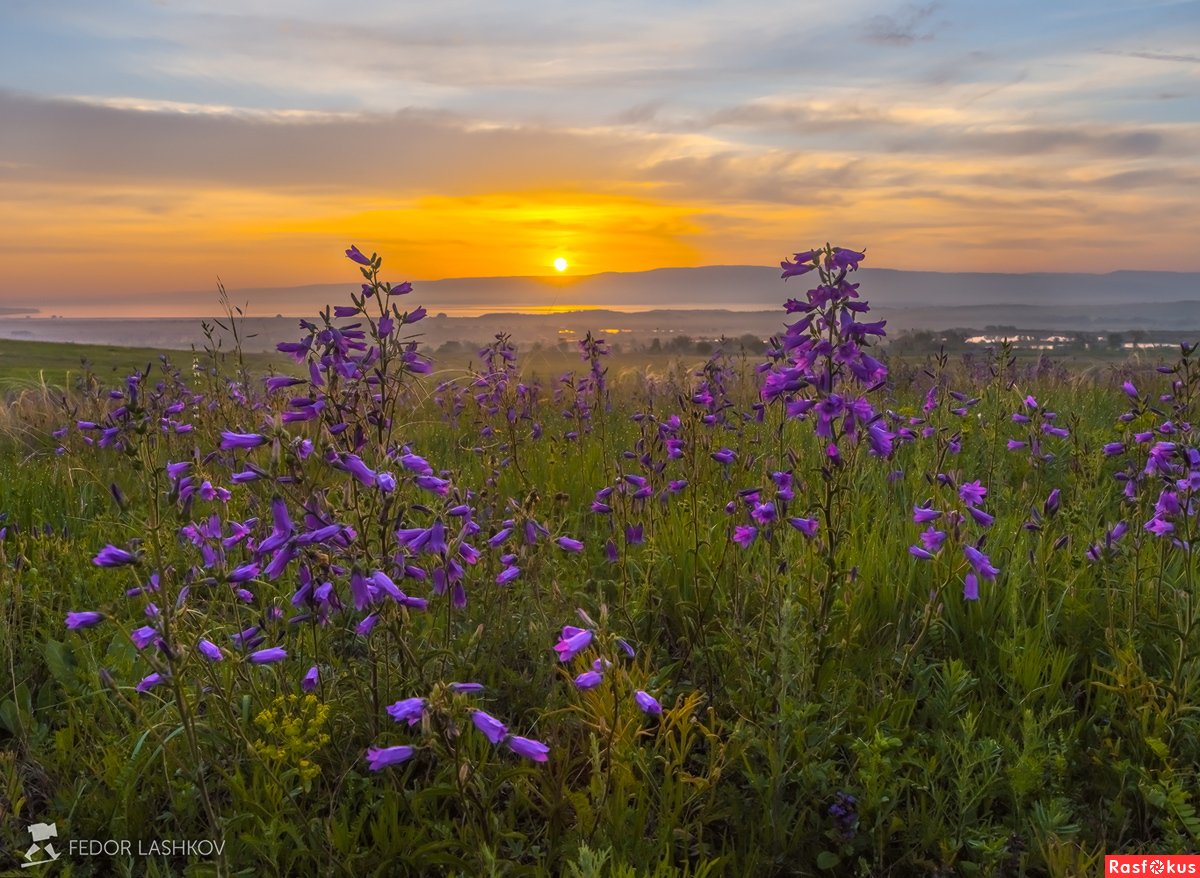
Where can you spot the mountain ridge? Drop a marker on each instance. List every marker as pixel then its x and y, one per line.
pixel 739 287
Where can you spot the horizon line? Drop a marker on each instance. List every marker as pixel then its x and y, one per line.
pixel 568 279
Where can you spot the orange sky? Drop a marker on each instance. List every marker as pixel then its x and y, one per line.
pixel 132 238
pixel 157 148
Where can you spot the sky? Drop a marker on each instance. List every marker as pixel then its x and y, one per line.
pixel 156 146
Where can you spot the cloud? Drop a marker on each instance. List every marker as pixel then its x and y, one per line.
pixel 1153 177
pixel 401 152
pixel 800 116
pixel 639 113
pixel 876 128
pixel 909 25
pixel 1081 140
pixel 448 54
pixel 775 177
pixel 1159 56
pixel 237 179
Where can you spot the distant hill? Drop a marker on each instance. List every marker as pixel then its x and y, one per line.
pixel 738 287
pixel 745 287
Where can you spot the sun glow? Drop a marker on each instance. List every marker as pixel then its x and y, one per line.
pixel 560 264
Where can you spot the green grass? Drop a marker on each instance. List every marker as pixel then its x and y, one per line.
pixel 26 365
pixel 1029 732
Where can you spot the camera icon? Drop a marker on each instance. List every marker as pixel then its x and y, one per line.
pixel 40 832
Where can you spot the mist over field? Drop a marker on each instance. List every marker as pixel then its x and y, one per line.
pixel 704 303
pixel 735 287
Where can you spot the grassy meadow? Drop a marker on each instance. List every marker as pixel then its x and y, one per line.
pixel 347 611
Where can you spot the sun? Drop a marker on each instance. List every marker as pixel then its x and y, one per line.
pixel 560 264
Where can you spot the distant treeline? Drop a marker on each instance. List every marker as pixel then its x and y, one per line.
pixel 677 344
pixel 962 339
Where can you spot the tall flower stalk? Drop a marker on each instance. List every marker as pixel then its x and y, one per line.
pixel 823 374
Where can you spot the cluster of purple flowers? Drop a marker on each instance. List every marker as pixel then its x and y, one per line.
pixel 844 812
pixel 575 640
pixel 954 525
pixel 312 489
pixel 415 711
pixel 931 422
pixel 766 509
pixel 525 534
pixel 711 393
pixel 354 378
pixel 1040 424
pixel 591 349
pixel 581 395
pixel 826 350
pixel 249 641
pixel 1160 462
pixel 137 413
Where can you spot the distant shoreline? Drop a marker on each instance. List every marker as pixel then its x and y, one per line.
pixel 451 312
pixel 1116 299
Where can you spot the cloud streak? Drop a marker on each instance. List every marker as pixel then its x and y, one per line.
pixel 910 25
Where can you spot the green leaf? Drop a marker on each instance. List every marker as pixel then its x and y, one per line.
pixel 827 860
pixel 10 717
pixel 1159 747
pixel 60 663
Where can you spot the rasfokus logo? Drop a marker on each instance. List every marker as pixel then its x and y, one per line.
pixel 1152 864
